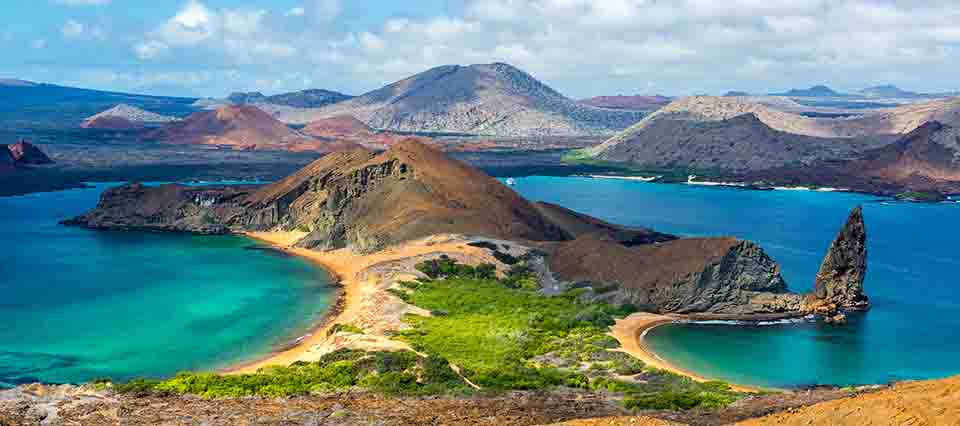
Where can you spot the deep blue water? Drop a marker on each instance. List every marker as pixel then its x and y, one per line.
pixel 79 304
pixel 912 332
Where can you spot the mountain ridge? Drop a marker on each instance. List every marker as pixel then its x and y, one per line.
pixel 489 99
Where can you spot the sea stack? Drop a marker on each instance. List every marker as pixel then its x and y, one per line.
pixel 840 280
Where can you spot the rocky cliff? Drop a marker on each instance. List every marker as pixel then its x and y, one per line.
pixel 717 276
pixel 840 279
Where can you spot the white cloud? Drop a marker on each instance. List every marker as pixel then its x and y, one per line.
pixel 150 49
pixel 583 47
pixel 77 30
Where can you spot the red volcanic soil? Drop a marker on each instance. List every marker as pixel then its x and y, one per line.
pixel 243 127
pixel 348 129
pixel 639 103
pixel 110 123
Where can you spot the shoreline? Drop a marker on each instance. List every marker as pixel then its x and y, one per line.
pixel 630 332
pixel 345 267
pixel 317 331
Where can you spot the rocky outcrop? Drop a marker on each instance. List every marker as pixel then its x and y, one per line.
pixel 840 279
pixel 169 208
pixel 724 277
pixel 25 153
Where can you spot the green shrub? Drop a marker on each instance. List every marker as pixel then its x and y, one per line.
pixel 346 328
pixel 678 401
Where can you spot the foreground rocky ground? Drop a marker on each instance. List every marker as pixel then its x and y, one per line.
pixel 74 405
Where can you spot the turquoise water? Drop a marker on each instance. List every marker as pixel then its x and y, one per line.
pixel 913 331
pixel 79 304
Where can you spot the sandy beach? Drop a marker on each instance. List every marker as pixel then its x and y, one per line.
pixel 363 300
pixel 630 332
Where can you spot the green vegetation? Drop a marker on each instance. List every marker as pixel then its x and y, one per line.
pixel 506 336
pixel 501 334
pixel 404 373
pixel 348 328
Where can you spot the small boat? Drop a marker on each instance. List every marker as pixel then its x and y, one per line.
pixel 511 181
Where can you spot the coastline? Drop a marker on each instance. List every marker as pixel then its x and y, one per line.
pixel 355 291
pixel 630 332
pixel 287 353
pixel 362 299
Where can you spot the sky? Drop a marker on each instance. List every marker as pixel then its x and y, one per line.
pixel 582 48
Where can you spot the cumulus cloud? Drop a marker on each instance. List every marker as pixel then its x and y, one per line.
pixel 584 47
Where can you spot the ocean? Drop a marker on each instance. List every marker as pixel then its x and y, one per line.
pixel 912 332
pixel 78 305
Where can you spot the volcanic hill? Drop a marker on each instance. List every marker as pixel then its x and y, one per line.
pixel 125 117
pixel 239 127
pixel 490 99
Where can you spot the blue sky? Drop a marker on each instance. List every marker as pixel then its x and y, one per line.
pixel 581 47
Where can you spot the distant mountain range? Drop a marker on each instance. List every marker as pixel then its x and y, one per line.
pixel 311 98
pixel 38 105
pixel 736 137
pixel 491 99
pixel 819 91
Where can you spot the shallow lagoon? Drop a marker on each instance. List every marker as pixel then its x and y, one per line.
pixel 79 304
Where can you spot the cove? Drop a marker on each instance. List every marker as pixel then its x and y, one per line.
pixel 912 332
pixel 79 304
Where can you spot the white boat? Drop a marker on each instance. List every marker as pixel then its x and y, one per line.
pixel 511 181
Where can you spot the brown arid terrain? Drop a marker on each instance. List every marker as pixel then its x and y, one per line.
pixel 488 99
pixel 347 129
pixel 924 160
pixel 628 102
pixel 241 127
pixel 921 403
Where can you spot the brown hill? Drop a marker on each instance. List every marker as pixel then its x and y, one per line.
pixel 635 103
pixel 348 129
pixel 927 159
pixel 927 156
pixel 740 143
pixel 240 127
pixel 490 99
